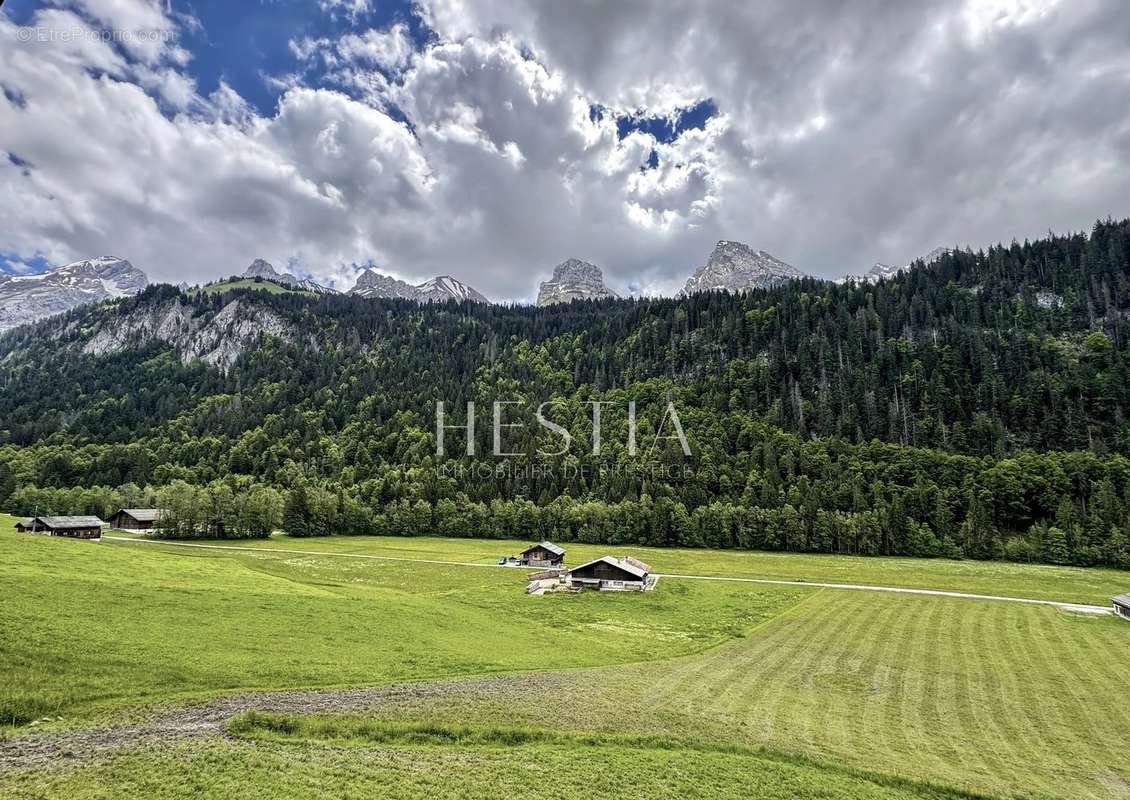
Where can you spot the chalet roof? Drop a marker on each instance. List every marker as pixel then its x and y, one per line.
pixel 548 546
pixel 143 514
pixel 620 564
pixel 68 523
pixel 1123 600
pixel 26 522
pixel 635 562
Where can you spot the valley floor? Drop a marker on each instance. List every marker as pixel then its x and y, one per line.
pixel 181 672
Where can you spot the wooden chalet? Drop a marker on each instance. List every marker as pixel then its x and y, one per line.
pixel 71 527
pixel 542 554
pixel 1122 606
pixel 136 519
pixel 610 574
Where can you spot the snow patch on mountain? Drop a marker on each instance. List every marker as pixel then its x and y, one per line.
pixel 445 287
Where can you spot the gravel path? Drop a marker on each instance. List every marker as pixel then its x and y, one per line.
pixel 55 749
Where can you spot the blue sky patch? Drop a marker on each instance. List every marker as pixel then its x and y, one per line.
pixel 242 43
pixel 664 129
pixel 13 97
pixel 23 264
pixel 23 164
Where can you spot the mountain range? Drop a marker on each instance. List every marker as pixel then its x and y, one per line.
pixel 439 289
pixel 732 266
pixel 27 298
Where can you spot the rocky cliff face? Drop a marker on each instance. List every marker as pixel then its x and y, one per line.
pixel 574 280
pixel 219 341
pixel 27 298
pixel 371 283
pixel 735 267
pixel 437 290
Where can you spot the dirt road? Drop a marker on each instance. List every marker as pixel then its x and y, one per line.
pixel 50 750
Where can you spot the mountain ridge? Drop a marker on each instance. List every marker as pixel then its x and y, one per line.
pixel 371 284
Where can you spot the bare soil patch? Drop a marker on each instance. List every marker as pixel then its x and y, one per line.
pixel 62 748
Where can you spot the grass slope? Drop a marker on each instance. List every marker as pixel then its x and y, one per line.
pixel 221 769
pixel 995 698
pixel 249 283
pixel 86 626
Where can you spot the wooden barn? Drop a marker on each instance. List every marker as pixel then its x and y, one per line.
pixel 71 527
pixel 136 519
pixel 1122 606
pixel 542 554
pixel 610 574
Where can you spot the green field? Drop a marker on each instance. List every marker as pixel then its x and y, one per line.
pixel 1036 581
pixel 699 689
pixel 250 283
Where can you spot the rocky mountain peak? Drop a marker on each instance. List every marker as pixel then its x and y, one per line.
pixel 736 267
pixel 264 269
pixel 261 268
pixel 27 298
pixel 445 287
pixel 574 280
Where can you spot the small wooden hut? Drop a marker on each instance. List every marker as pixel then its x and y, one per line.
pixel 542 554
pixel 136 519
pixel 71 527
pixel 610 574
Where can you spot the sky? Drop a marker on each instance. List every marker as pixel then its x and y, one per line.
pixel 492 139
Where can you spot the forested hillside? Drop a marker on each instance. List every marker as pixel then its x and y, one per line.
pixel 977 406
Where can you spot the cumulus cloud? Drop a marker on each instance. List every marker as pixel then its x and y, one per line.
pixel 353 9
pixel 842 133
pixel 868 130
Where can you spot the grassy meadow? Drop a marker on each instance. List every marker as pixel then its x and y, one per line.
pixel 88 627
pixel 699 689
pixel 252 284
pixel 1034 581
